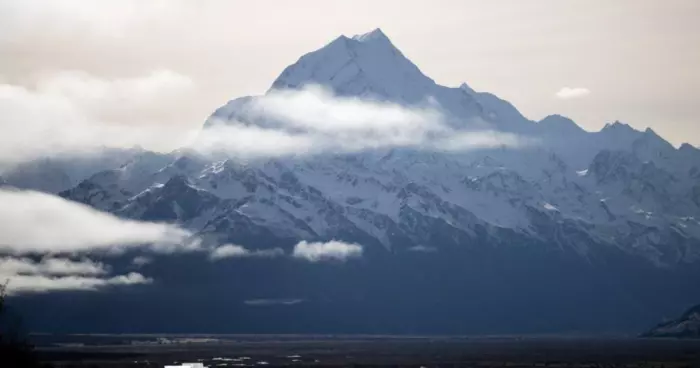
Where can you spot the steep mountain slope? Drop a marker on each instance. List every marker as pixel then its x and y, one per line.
pixel 555 236
pixel 632 193
pixel 686 326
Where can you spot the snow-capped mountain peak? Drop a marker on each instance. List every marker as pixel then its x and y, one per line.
pixel 570 181
pixel 376 36
pixel 363 65
pixel 503 223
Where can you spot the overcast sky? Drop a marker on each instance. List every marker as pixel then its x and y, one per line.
pixel 171 62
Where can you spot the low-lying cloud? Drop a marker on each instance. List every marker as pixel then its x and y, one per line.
pixel 310 251
pixel 317 109
pixel 576 92
pixel 74 113
pixel 34 222
pixel 59 274
pixel 270 302
pixel 51 266
pixel 313 120
pixel 42 283
pixel 237 251
pixel 329 251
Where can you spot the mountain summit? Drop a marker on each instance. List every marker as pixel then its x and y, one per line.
pixel 369 66
pixel 376 35
pixel 366 65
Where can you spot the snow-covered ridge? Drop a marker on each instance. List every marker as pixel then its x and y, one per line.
pixel 364 65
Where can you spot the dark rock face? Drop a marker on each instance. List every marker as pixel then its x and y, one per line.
pixel 686 326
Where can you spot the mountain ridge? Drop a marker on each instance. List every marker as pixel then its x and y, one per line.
pixel 580 217
pixel 546 178
pixel 685 326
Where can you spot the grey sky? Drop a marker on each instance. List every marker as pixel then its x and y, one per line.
pixel 637 59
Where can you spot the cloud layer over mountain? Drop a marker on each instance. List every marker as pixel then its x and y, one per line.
pixel 237 251
pixel 324 251
pixel 75 114
pixel 34 222
pixel 25 275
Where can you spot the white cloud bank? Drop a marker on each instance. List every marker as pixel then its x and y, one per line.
pixel 75 113
pixel 56 274
pixel 317 109
pixel 42 283
pixel 34 222
pixel 329 251
pixel 313 120
pixel 576 92
pixel 310 251
pixel 51 266
pixel 38 223
pixel 237 251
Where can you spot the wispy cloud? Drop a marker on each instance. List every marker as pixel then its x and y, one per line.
pixel 51 266
pixel 42 283
pixel 42 224
pixel 316 109
pixel 237 251
pixel 88 114
pixel 33 222
pixel 268 302
pixel 55 274
pixel 239 140
pixel 140 261
pixel 76 113
pixel 575 92
pixel 313 120
pixel 475 140
pixel 329 251
pixel 422 249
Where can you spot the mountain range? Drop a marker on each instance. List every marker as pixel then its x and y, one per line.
pixel 576 231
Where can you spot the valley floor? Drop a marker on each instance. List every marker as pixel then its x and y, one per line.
pixel 118 351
